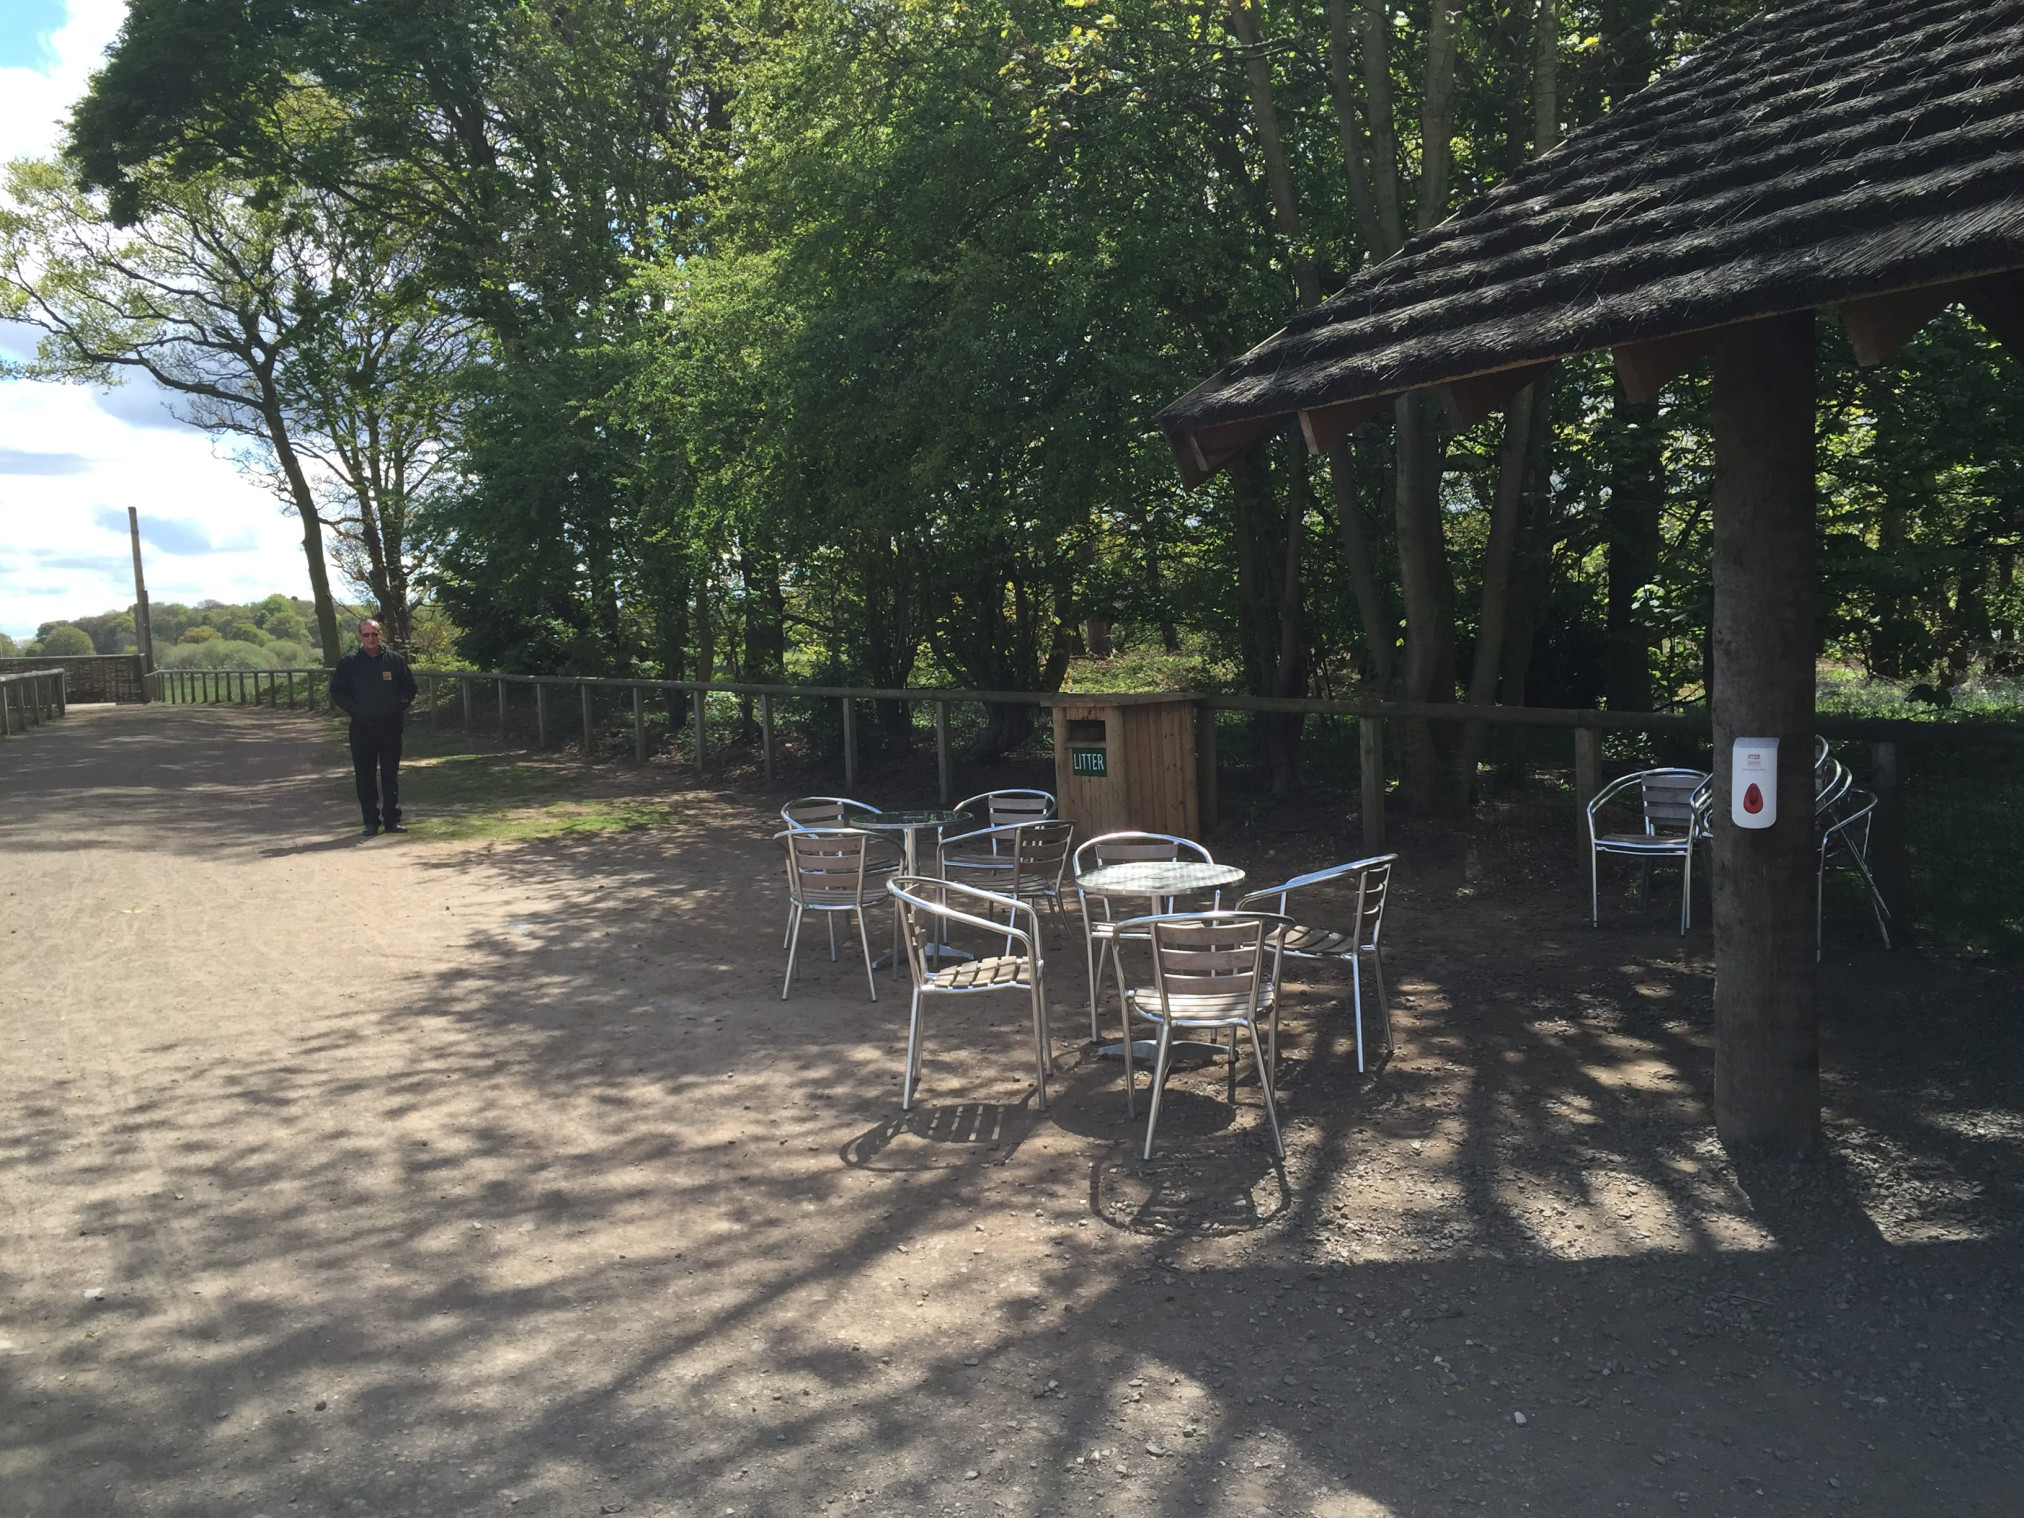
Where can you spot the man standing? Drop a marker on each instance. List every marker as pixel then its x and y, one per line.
pixel 373 686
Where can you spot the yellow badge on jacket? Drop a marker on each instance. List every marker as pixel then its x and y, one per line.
pixel 386 674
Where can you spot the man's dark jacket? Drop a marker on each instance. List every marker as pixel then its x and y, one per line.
pixel 372 689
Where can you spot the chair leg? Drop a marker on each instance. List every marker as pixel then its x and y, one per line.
pixel 1264 1085
pixel 793 948
pixel 1594 892
pixel 1230 1070
pixel 1046 1017
pixel 1089 957
pixel 1875 896
pixel 1130 1075
pixel 1819 904
pixel 1687 889
pixel 1042 1054
pixel 864 942
pixel 913 1072
pixel 1356 1001
pixel 1159 1082
pixel 1644 885
pixel 1383 1000
pixel 832 935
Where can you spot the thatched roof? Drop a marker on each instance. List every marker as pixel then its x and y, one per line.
pixel 1835 151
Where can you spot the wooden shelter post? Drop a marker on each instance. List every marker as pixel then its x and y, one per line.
pixel 1767 1025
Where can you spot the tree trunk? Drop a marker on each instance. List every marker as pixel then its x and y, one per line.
pixel 1437 115
pixel 1379 631
pixel 312 531
pixel 1507 510
pixel 1637 489
pixel 1767 1032
pixel 1429 670
pixel 1278 179
pixel 1355 151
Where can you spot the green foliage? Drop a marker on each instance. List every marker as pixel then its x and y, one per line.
pixel 217 653
pixel 64 641
pixel 203 632
pixel 284 626
pixel 9 649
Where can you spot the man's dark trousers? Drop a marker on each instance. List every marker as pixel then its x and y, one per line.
pixel 375 766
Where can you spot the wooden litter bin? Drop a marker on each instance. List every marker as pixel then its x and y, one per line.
pixel 1127 762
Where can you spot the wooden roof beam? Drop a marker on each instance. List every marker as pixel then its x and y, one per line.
pixel 1203 452
pixel 1471 399
pixel 1648 367
pixel 1325 426
pixel 1997 302
pixel 1879 325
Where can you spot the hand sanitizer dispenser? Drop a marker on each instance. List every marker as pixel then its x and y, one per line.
pixel 1753 782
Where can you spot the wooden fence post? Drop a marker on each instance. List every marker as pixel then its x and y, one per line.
pixel 1888 858
pixel 464 697
pixel 502 707
pixel 1587 782
pixel 849 744
pixel 639 728
pixel 291 690
pixel 540 715
pixel 1370 775
pixel 702 700
pixel 766 732
pixel 944 770
pixel 1208 769
pixel 589 745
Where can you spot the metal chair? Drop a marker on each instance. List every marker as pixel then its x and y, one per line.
pixel 1025 861
pixel 998 809
pixel 993 810
pixel 1212 971
pixel 1667 800
pixel 1352 936
pixel 927 907
pixel 1100 933
pixel 1845 831
pixel 827 870
pixel 822 812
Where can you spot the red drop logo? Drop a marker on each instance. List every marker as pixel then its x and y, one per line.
pixel 1753 799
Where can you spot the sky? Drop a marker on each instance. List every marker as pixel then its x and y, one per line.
pixel 73 459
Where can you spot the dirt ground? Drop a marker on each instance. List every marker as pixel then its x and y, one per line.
pixel 438 1177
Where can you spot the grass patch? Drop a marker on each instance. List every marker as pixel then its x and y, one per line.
pixel 555 819
pixel 452 792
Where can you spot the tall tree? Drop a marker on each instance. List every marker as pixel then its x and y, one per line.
pixel 202 295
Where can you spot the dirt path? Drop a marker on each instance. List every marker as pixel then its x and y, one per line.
pixel 432 1178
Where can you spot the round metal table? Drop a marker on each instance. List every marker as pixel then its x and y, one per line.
pixel 1159 881
pixel 910 825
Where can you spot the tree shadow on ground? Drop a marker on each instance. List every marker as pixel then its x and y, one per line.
pixel 578 1217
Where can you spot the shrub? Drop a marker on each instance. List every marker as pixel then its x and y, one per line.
pixel 246 632
pixel 285 627
pixel 199 634
pixel 9 649
pixel 64 641
pixel 217 653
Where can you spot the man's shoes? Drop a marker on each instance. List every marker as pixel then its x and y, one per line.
pixel 371 830
pixel 393 827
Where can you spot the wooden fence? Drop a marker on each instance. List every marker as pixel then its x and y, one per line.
pixel 30 697
pixel 686 698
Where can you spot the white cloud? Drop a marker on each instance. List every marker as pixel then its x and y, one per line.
pixel 79 459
